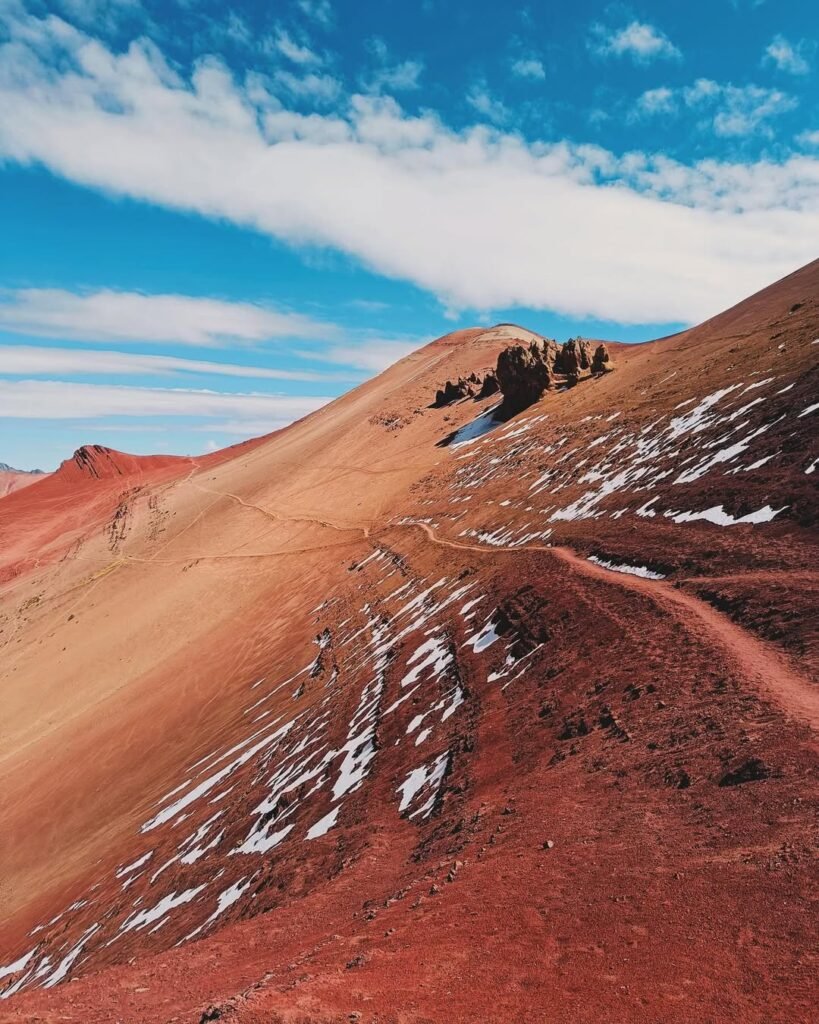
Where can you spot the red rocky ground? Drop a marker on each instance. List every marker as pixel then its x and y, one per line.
pixel 364 721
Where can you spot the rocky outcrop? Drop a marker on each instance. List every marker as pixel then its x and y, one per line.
pixel 601 362
pixel 526 370
pixel 472 386
pixel 452 391
pixel 574 359
pixel 524 373
pixel 96 461
pixel 489 386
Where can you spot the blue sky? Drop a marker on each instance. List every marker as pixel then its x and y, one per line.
pixel 213 218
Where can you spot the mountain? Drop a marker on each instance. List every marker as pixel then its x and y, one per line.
pixel 416 712
pixel 12 479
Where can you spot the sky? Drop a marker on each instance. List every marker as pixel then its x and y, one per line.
pixel 214 218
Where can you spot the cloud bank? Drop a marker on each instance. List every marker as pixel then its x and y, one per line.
pixel 480 217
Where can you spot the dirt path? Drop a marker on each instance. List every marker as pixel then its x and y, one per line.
pixel 760 664
pixel 281 517
pixel 757 660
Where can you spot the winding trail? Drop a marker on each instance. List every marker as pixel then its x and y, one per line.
pixel 766 669
pixel 759 663
pixel 278 517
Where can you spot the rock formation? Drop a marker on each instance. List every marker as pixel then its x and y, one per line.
pixel 524 372
pixel 489 386
pixel 453 391
pixel 574 359
pixel 471 386
pixel 601 363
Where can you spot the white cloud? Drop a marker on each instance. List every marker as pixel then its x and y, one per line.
pixel 661 100
pixel 58 400
pixel 237 30
pixel 488 106
pixel 321 90
pixel 637 40
pixel 786 57
pixel 808 138
pixel 320 11
pixel 401 76
pixel 738 110
pixel 480 217
pixel 373 355
pixel 33 360
pixel 725 109
pixel 293 51
pixel 130 316
pixel 528 67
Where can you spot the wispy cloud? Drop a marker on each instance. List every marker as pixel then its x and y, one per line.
pixel 237 30
pixel 37 361
pixel 298 53
pixel 60 400
pixel 486 104
pixel 130 316
pixel 101 15
pixel 319 11
pixel 369 305
pixel 320 90
pixel 638 40
pixel 786 56
pixel 661 100
pixel 725 109
pixel 738 110
pixel 390 75
pixel 372 355
pixel 528 67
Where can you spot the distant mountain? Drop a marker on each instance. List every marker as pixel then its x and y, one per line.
pixel 12 479
pixel 6 468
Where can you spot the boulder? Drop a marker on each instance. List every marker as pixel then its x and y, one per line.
pixel 601 363
pixel 489 386
pixel 586 356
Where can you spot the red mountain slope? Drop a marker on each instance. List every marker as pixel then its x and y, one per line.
pixel 373 722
